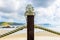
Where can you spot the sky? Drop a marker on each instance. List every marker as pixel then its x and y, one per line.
pixel 47 11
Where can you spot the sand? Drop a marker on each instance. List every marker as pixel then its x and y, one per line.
pixel 41 35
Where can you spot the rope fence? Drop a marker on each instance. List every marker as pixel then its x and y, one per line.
pixel 13 31
pixel 21 28
pixel 48 30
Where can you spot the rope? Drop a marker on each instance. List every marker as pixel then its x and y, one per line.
pixel 39 27
pixel 21 28
pixel 13 31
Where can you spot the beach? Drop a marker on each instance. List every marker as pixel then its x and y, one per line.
pixel 41 35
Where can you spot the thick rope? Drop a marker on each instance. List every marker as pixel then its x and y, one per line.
pixel 21 28
pixel 13 31
pixel 48 30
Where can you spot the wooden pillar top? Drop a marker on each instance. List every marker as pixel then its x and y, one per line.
pixel 29 10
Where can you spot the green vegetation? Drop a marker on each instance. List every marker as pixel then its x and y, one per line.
pixel 10 23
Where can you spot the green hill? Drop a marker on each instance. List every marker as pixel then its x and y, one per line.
pixel 11 23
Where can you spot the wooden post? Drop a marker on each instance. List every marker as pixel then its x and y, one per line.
pixel 30 27
pixel 30 22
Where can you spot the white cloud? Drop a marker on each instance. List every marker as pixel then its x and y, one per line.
pixel 1 3
pixel 12 5
pixel 9 10
pixel 11 17
pixel 50 14
pixel 44 15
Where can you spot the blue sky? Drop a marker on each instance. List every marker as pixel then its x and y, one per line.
pixel 47 11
